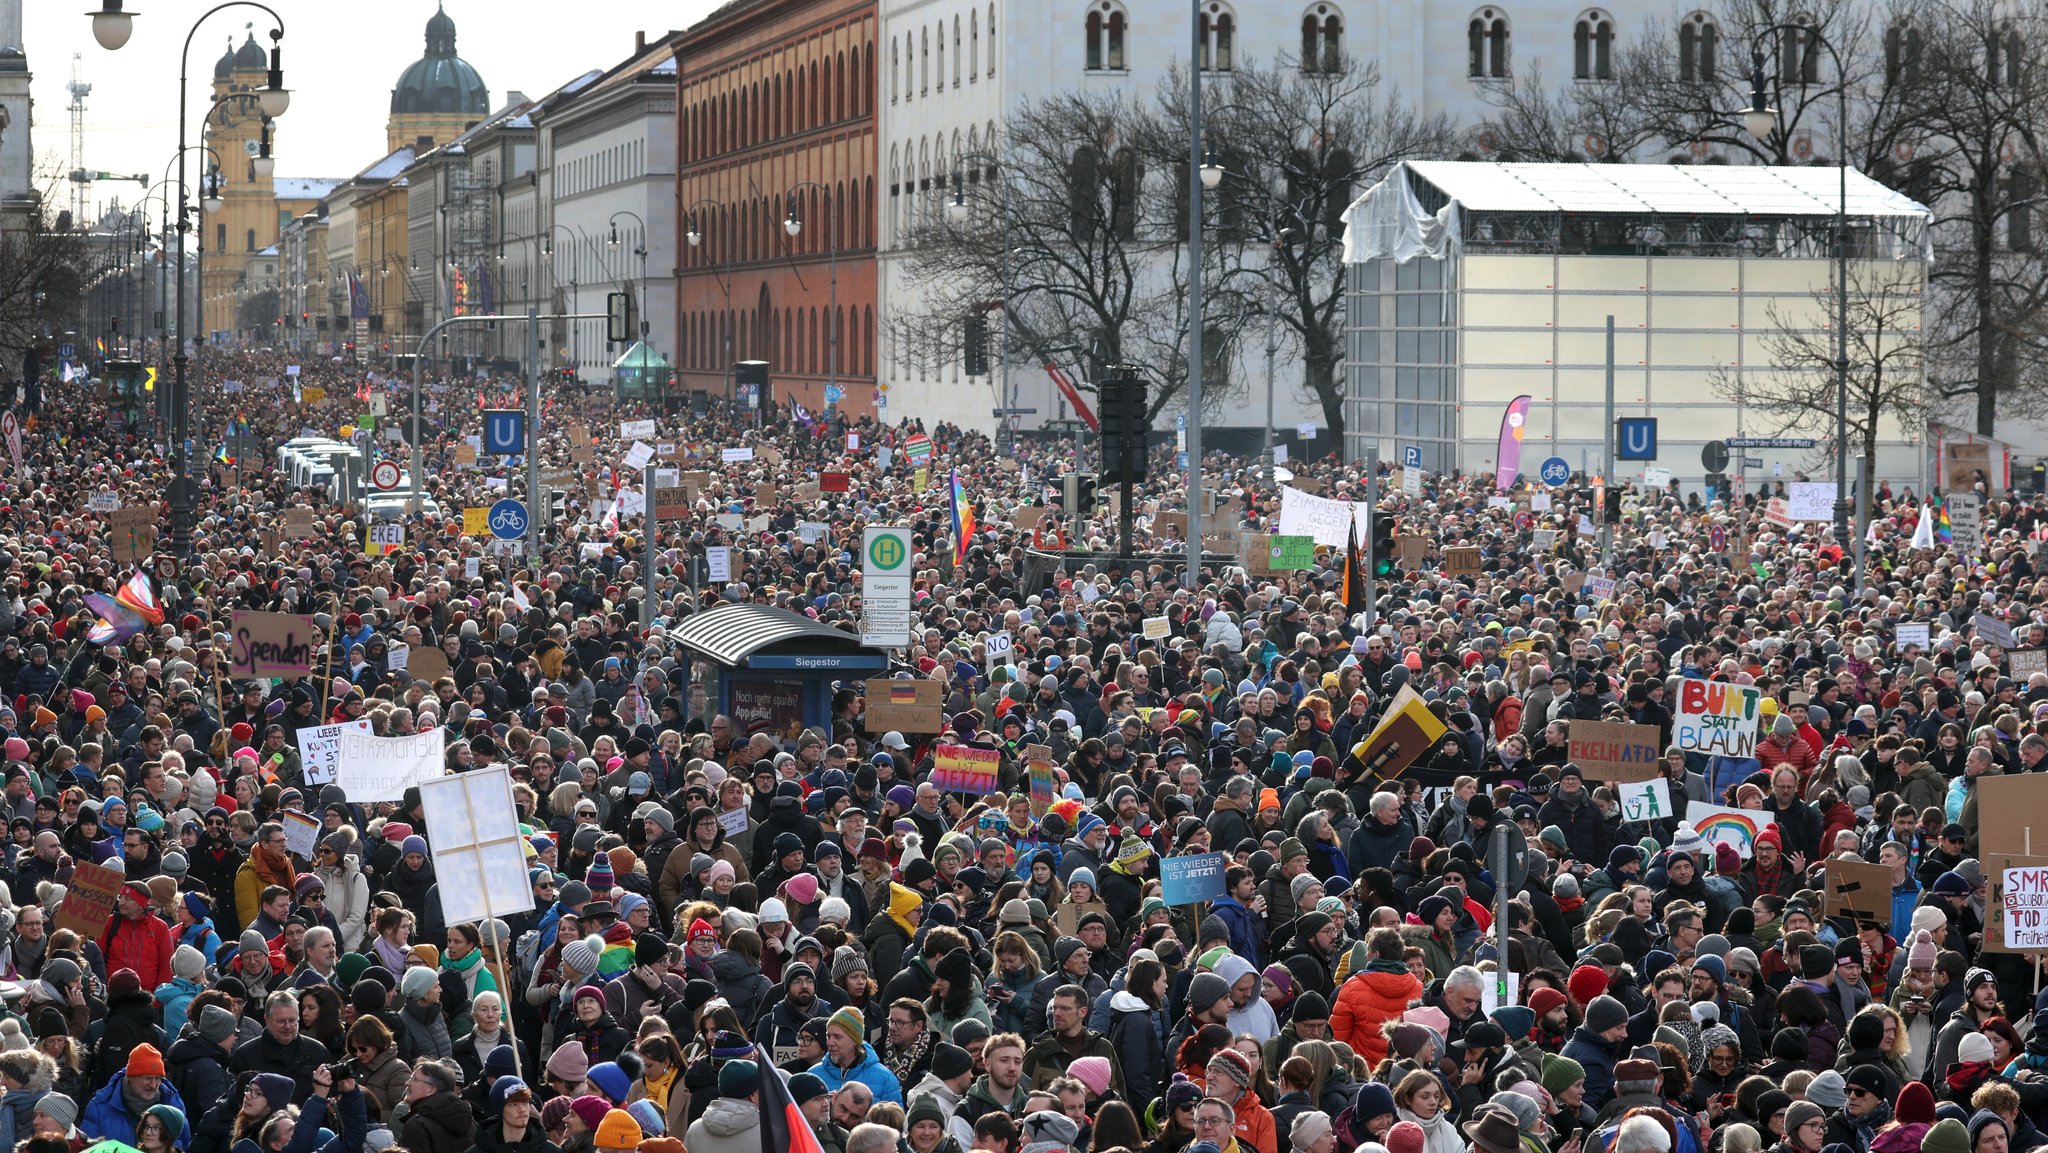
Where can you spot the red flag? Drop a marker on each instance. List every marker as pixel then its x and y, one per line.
pixel 783 1128
pixel 834 482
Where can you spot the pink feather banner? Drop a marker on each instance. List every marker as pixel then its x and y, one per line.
pixel 1508 460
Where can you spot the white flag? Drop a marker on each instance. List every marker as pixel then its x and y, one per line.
pixel 1923 533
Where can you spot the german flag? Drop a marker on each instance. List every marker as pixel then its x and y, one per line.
pixel 1354 573
pixel 783 1128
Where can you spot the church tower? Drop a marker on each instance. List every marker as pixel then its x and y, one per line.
pixel 440 96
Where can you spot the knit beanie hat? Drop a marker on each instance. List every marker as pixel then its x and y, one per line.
pixel 1561 1073
pixel 1605 1013
pixel 848 1020
pixel 1408 1137
pixel 1232 1064
pixel 64 1111
pixel 416 983
pixel 1586 983
pixel 145 1060
pixel 1944 1136
pixel 187 962
pixel 171 1118
pixel 610 1080
pixel 1092 1071
pixel 569 1062
pixel 618 1130
pixel 216 1024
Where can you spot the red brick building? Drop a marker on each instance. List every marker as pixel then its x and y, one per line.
pixel 777 97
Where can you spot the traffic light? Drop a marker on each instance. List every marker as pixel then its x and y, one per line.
pixel 1384 561
pixel 1078 493
pixel 1611 507
pixel 1126 426
pixel 114 325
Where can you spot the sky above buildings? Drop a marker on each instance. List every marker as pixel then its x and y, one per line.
pixel 340 61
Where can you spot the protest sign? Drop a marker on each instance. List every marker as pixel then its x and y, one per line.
pixel 1171 524
pixel 1044 788
pixel 1966 522
pixel 476 520
pixel 905 706
pixel 131 532
pixel 1810 500
pixel 628 430
pixel 1462 561
pixel 398 658
pixel 2006 804
pixel 1778 512
pixel 1600 588
pixel 319 745
pixel 1998 935
pixel 1914 633
pixel 1328 521
pixel 733 821
pixel 1186 880
pixel 1291 553
pixel 736 455
pixel 962 769
pixel 89 899
pixel 718 563
pixel 427 664
pixel 479 854
pixel 272 644
pixel 1614 751
pixel 1404 734
pixel 2027 662
pixel 1994 630
pixel 1717 718
pixel 1858 889
pixel 1411 551
pixel 1644 800
pixel 301 832
pixel 381 768
pixel 1719 825
pixel 1157 628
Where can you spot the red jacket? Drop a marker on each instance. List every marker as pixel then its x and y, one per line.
pixel 143 945
pixel 1366 1001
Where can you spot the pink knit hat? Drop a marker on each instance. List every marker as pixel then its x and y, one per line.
pixel 1406 1137
pixel 1092 1072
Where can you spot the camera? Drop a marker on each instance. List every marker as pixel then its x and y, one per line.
pixel 349 1070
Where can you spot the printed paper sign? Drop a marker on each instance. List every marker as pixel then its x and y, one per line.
pixel 733 821
pixel 1654 477
pixel 387 534
pixel 1186 880
pixel 301 832
pixel 320 745
pixel 1719 825
pixel 1644 800
pixel 1717 718
pixel 628 430
pixel 1914 633
pixel 963 769
pixel 718 563
pixel 1158 628
pixel 736 455
pixel 1613 751
pixel 271 644
pixel 398 658
pixel 382 768
pixel 638 456
pixel 1994 630
pixel 997 648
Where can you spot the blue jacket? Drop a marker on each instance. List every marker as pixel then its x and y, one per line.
pixel 175 995
pixel 17 1114
pixel 869 1071
pixel 106 1116
pixel 1905 898
pixel 1596 1056
pixel 1244 933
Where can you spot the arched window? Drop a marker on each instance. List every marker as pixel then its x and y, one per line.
pixel 924 60
pixel 1593 47
pixel 956 51
pixel 1129 178
pixel 1699 42
pixel 1084 177
pixel 1902 53
pixel 974 46
pixel 1219 31
pixel 942 56
pixel 991 38
pixel 1107 26
pixel 1799 52
pixel 895 71
pixel 1322 39
pixel 251 240
pixel 1486 45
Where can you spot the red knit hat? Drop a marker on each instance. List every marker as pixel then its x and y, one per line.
pixel 1543 1000
pixel 1587 982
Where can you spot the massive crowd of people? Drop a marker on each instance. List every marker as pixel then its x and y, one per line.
pixel 727 909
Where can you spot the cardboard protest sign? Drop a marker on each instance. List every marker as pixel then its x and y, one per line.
pixel 131 532
pixel 1186 880
pixel 2023 901
pixel 1404 734
pixel 963 769
pixel 1859 889
pixel 89 899
pixel 1171 524
pixel 905 706
pixel 428 664
pixel 1613 751
pixel 1411 551
pixel 2027 662
pixel 272 644
pixel 1258 554
pixel 1717 718
pixel 381 768
pixel 2007 804
pixel 1462 561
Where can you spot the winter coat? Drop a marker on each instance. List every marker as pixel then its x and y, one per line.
pixel 106 1116
pixel 199 1069
pixel 384 1078
pixel 1596 1056
pixel 1364 1002
pixel 441 1123
pixel 1138 1034
pixel 741 984
pixel 867 1069
pixel 142 944
pixel 727 1126
pixel 886 942
pixel 175 995
pixel 348 900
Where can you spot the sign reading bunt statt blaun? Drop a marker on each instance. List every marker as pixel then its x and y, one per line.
pixel 1185 880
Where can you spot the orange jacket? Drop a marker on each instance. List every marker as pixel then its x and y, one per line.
pixel 1364 1002
pixel 1255 1128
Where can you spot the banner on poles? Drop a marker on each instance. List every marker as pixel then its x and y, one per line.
pixel 382 768
pixel 320 747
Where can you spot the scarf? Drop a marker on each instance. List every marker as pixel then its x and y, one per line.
pixel 658 1089
pixel 1569 905
pixel 26 958
pixel 273 867
pixel 136 1102
pixel 1964 1078
pixel 905 1060
pixel 483 981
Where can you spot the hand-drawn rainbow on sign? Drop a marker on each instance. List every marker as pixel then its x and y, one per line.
pixel 1736 828
pixel 1717 718
pixel 963 769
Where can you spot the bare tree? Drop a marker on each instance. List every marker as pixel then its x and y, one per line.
pixel 43 274
pixel 1297 146
pixel 1065 232
pixel 1886 354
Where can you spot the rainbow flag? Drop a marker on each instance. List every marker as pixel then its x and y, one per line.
pixel 963 520
pixel 132 608
pixel 102 344
pixel 1944 531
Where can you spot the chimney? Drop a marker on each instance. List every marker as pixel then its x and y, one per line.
pixel 423 144
pixel 639 41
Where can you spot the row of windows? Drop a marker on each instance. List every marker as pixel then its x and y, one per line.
pixel 753 229
pixel 791 340
pixel 1488 38
pixel 1108 27
pixel 833 87
pixel 910 59
pixel 600 169
pixel 927 170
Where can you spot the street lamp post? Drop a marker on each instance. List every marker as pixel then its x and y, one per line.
pixel 793 225
pixel 111 26
pixel 696 237
pixel 1203 173
pixel 639 250
pixel 1761 119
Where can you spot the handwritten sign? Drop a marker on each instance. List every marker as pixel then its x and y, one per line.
pixel 2024 900
pixel 1327 521
pixel 1994 630
pixel 89 899
pixel 1613 751
pixel 382 768
pixel 1158 628
pixel 2027 662
pixel 1462 561
pixel 320 746
pixel 1186 880
pixel 962 769
pixel 301 832
pixel 628 430
pixel 272 644
pixel 1717 718
pixel 1644 800
pixel 905 706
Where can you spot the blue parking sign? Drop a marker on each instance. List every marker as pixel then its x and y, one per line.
pixel 504 431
